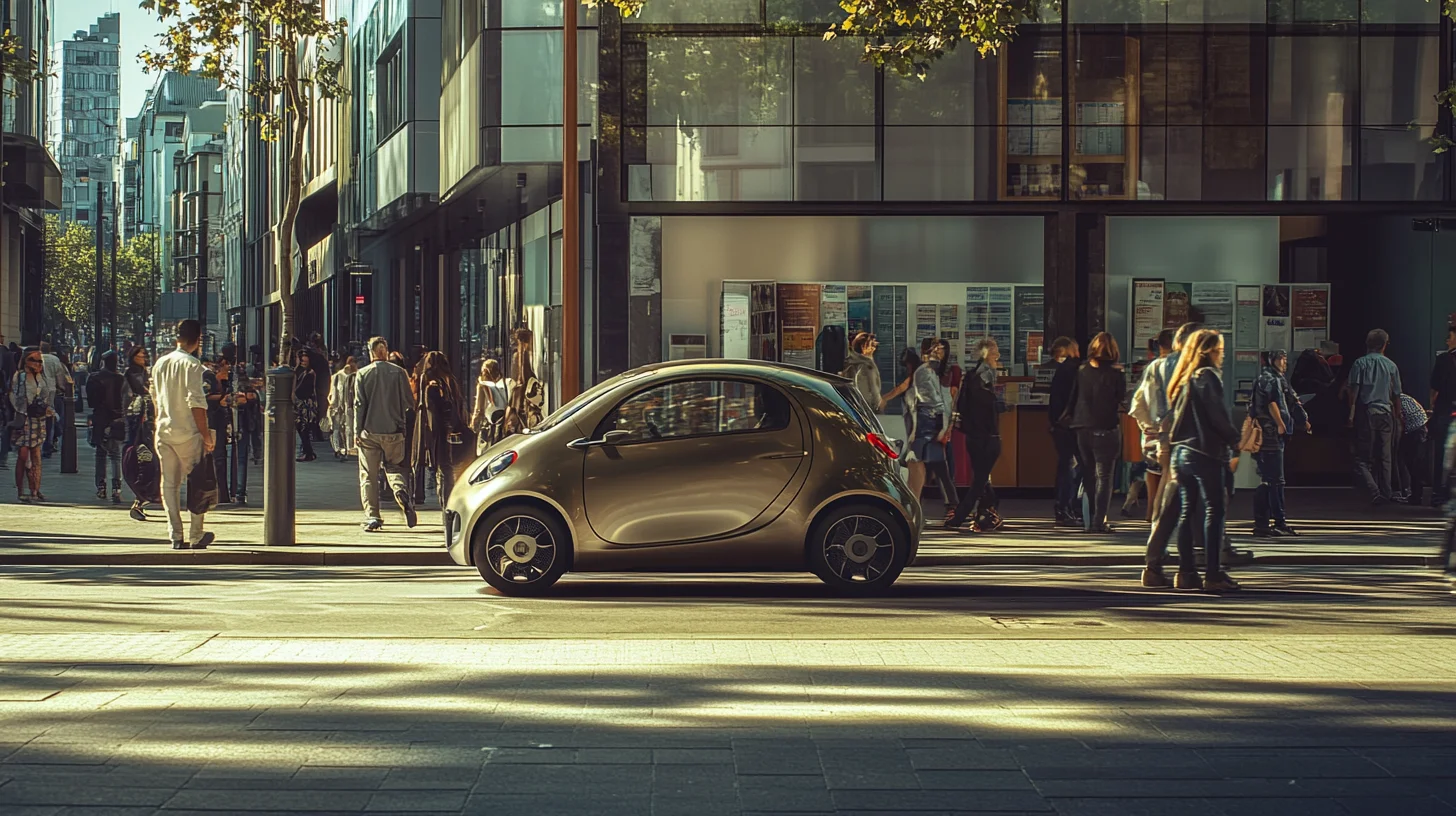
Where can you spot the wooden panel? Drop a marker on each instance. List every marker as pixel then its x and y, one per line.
pixel 1036 455
pixel 1004 473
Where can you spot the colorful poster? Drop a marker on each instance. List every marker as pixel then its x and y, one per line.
pixel 1276 301
pixel 1175 305
pixel 860 308
pixel 888 310
pixel 1030 308
pixel 925 325
pixel 734 322
pixel 798 305
pixel 1246 323
pixel 1306 339
pixel 1276 333
pixel 763 327
pixel 1214 302
pixel 834 306
pixel 1310 307
pixel 798 346
pixel 1033 348
pixel 1147 311
pixel 1000 323
pixel 978 316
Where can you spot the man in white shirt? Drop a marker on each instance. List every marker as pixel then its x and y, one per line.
pixel 53 370
pixel 182 433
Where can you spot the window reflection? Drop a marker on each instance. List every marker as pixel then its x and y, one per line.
pixel 698 408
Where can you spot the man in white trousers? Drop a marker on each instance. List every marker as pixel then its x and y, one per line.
pixel 182 434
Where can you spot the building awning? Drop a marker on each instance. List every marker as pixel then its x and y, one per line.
pixel 32 178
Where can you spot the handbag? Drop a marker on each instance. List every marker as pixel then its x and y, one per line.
pixel 202 486
pixel 1251 437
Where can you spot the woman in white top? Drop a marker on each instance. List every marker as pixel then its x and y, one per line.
pixel 492 392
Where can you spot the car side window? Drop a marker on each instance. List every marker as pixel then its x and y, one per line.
pixel 698 408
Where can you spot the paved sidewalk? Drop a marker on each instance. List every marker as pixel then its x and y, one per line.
pixel 75 528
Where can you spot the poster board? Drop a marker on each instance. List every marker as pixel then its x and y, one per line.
pixel 1147 310
pixel 734 309
pixel 798 322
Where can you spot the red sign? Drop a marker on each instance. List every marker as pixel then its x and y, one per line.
pixel 359 300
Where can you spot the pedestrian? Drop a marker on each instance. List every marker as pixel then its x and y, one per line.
pixel 1277 409
pixel 1204 443
pixel 1149 404
pixel 61 383
pixel 341 400
pixel 1065 353
pixel 217 387
pixel 492 393
pixel 929 411
pixel 1410 457
pixel 305 404
pixel 909 363
pixel 860 368
pixel 382 403
pixel 32 396
pixel 140 426
pixel 104 392
pixel 1374 391
pixel 1168 504
pixel 1443 404
pixel 1095 413
pixel 440 423
pixel 980 424
pixel 950 380
pixel 527 402
pixel 183 436
pixel 419 471
pixel 248 432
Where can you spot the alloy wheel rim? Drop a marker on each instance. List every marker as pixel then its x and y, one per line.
pixel 859 549
pixel 520 549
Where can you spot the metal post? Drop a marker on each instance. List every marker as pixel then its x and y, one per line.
pixel 68 433
pixel 278 466
pixel 96 321
pixel 115 233
pixel 570 215
pixel 200 259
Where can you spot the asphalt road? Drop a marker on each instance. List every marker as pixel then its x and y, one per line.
pixel 162 690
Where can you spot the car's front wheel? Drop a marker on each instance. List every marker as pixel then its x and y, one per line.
pixel 521 549
pixel 858 549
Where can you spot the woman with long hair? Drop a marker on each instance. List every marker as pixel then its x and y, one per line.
pixel 32 395
pixel 981 428
pixel 1095 414
pixel 491 396
pixel 1205 442
pixel 341 408
pixel 441 407
pixel 527 400
pixel 860 368
pixel 305 403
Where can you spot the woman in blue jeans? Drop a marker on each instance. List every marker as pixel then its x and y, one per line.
pixel 1095 413
pixel 1205 444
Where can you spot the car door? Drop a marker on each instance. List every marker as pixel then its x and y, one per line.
pixel 691 459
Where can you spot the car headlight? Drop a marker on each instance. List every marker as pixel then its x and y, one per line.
pixel 494 467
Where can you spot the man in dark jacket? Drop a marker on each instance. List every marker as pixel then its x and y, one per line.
pixel 1065 352
pixel 1443 403
pixel 7 373
pixel 108 424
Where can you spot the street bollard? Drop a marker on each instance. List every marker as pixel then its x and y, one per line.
pixel 68 436
pixel 278 444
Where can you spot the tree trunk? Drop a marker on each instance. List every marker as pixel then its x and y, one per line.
pixel 298 106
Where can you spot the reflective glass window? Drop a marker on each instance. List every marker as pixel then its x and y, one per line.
pixel 1398 80
pixel 1399 164
pixel 698 11
pixel 1313 80
pixel 718 80
pixel 698 408
pixel 1311 163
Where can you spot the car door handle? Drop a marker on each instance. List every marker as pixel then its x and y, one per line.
pixel 794 455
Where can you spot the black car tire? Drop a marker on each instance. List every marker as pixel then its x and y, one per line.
pixel 510 549
pixel 858 549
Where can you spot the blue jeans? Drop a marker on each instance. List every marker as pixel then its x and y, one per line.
pixel 1067 477
pixel 1269 497
pixel 1203 489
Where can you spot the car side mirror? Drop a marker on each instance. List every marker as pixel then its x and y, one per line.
pixel 609 439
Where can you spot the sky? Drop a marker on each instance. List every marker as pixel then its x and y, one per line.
pixel 139 30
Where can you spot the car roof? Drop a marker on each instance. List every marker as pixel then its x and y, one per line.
pixel 717 366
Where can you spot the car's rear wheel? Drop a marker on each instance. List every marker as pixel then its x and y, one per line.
pixel 858 549
pixel 521 549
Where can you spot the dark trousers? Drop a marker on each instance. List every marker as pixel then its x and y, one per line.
pixel 982 453
pixel 1097 456
pixel 243 448
pixel 1066 485
pixel 108 450
pixel 1440 488
pixel 305 437
pixel 1374 435
pixel 1411 463
pixel 220 466
pixel 1204 489
pixel 1269 496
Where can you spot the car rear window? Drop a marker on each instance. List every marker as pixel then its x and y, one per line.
pixel 860 409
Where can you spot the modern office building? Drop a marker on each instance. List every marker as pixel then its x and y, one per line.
pixel 197 221
pixel 85 114
pixel 32 180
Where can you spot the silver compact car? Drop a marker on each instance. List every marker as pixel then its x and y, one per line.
pixel 694 466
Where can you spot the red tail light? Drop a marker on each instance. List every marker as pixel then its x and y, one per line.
pixel 881 445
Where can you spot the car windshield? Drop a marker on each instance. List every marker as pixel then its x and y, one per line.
pixel 583 399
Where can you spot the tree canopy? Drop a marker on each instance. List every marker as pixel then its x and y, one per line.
pixel 70 279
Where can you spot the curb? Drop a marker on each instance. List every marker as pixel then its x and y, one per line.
pixel 440 558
